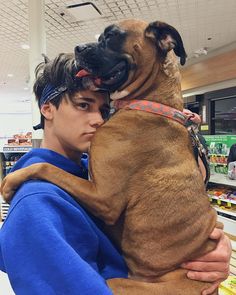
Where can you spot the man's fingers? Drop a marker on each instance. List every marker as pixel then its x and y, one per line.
pixel 211 289
pixel 207 276
pixel 210 266
pixel 211 256
pixel 216 234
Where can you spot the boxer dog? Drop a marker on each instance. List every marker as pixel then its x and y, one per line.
pixel 145 182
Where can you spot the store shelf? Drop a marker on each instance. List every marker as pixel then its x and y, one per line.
pixel 233 243
pixel 4 207
pixel 16 149
pixel 218 164
pixel 222 179
pixel 222 200
pixel 223 212
pixel 218 155
pixel 229 225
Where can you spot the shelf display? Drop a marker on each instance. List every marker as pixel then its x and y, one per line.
pixel 218 151
pixel 8 159
pixel 223 200
pixel 228 287
pixel 21 142
pixel 222 194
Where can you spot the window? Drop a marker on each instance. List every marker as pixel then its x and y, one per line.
pixel 224 116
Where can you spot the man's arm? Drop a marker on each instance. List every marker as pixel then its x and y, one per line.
pixel 37 255
pixel 214 266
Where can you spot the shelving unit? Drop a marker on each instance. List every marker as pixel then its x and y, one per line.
pixel 8 157
pixel 225 206
pixel 223 179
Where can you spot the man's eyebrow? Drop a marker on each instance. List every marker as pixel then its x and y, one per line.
pixel 88 99
pixel 93 100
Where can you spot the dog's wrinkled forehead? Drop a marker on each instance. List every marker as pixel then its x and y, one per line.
pixel 113 37
pixel 137 33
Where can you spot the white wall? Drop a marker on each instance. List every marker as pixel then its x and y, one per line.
pixel 15 113
pixel 15 123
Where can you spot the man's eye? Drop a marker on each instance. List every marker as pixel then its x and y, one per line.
pixel 83 105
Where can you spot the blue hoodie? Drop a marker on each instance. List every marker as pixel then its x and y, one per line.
pixel 49 244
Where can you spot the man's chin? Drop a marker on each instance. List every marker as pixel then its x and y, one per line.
pixel 85 148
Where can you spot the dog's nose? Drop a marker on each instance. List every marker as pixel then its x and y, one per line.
pixel 80 48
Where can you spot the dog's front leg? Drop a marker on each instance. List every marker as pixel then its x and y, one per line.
pixel 94 197
pixel 122 286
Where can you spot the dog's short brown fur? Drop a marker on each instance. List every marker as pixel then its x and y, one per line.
pixel 145 181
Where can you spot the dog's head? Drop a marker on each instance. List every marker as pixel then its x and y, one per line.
pixel 128 56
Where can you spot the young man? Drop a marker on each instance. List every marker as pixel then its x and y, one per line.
pixel 49 244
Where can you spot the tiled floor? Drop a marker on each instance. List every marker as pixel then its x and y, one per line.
pixel 5 286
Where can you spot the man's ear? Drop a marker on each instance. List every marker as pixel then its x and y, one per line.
pixel 47 110
pixel 166 38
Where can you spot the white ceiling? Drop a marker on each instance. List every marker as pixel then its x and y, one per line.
pixel 196 20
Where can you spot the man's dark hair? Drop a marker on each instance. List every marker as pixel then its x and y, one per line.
pixel 58 72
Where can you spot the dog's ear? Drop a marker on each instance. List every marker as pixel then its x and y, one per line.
pixel 166 38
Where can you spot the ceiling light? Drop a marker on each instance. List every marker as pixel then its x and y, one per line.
pixel 10 75
pixel 26 88
pixel 82 11
pixel 25 46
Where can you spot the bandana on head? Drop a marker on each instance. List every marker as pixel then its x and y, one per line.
pixel 49 93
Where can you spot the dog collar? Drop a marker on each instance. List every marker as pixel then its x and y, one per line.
pixel 152 107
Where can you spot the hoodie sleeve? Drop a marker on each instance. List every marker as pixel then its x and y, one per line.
pixel 48 249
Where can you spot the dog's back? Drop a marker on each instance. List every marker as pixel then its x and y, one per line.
pixel 168 217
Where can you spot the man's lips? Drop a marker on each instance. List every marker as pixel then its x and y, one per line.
pixel 89 133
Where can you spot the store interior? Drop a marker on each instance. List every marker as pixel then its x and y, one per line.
pixel 30 28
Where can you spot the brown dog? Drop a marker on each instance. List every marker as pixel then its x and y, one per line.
pixel 145 181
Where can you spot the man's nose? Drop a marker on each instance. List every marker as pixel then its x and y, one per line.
pixel 97 120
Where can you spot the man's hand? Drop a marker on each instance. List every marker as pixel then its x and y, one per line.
pixel 214 266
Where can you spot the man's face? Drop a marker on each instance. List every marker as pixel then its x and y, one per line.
pixel 75 122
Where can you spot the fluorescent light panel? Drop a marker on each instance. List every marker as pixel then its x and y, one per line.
pixel 84 11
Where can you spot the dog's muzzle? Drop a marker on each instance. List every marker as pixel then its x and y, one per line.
pixel 104 68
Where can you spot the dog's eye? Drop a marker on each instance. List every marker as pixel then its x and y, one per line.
pixel 111 40
pixel 110 34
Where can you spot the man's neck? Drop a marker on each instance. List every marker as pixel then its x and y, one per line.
pixel 72 155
